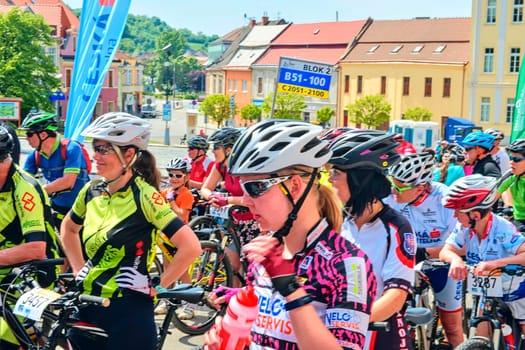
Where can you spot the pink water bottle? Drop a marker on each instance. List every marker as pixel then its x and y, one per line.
pixel 237 323
pixel 506 330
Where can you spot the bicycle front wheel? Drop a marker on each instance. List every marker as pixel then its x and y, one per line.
pixel 209 271
pixel 476 344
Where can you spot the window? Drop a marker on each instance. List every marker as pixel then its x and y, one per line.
pixel 485 109
pixel 517 11
pixel 514 60
pixel 440 48
pixel 446 87
pixel 110 78
pixel 139 77
pixel 491 11
pixel 260 85
pixel 229 85
pixel 428 87
pixel 509 110
pixel 373 49
pixel 359 84
pixel 53 30
pixel 220 86
pixel 418 49
pixel 306 116
pixel 406 86
pixel 396 49
pixel 488 60
pixel 383 85
pixel 244 86
pixel 111 106
pixel 234 84
pixel 347 83
pixel 68 77
pixel 127 77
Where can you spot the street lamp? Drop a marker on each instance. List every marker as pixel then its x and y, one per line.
pixel 166 112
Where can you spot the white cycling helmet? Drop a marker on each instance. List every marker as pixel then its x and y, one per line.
pixel 471 192
pixel 414 169
pixel 498 134
pixel 275 144
pixel 120 129
pixel 179 164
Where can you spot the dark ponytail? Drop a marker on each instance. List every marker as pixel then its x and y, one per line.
pixel 146 167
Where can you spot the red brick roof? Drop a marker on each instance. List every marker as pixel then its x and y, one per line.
pixel 438 40
pixel 319 33
pixel 320 54
pixel 55 12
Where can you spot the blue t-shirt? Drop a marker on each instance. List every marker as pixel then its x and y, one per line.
pixel 454 172
pixel 54 167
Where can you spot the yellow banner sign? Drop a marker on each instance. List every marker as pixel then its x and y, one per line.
pixel 302 90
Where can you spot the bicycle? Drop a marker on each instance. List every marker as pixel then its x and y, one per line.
pixel 488 307
pixel 46 317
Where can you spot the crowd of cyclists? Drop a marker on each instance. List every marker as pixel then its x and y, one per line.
pixel 334 222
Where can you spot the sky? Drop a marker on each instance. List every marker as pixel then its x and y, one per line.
pixel 220 17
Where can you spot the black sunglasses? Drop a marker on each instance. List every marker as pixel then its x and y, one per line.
pixel 177 176
pixel 516 159
pixel 217 147
pixel 30 133
pixel 103 149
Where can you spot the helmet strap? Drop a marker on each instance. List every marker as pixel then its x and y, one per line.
pixel 41 140
pixel 471 221
pixel 292 216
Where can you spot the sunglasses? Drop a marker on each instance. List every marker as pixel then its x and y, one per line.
pixel 177 176
pixel 334 172
pixel 217 147
pixel 103 149
pixel 191 148
pixel 256 188
pixel 516 159
pixel 399 189
pixel 468 148
pixel 30 133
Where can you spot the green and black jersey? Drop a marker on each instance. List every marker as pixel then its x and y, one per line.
pixel 25 211
pixel 119 230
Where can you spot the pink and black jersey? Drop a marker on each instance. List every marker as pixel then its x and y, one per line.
pixel 339 278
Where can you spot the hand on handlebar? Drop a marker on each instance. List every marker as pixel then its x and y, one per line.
pixel 217 200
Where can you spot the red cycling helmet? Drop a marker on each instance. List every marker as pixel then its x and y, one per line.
pixel 471 192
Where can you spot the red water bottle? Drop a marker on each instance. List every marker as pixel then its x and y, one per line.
pixel 506 330
pixel 237 323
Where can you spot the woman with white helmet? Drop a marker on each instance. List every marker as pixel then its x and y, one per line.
pixel 487 241
pixel 419 199
pixel 499 155
pixel 114 221
pixel 358 164
pixel 318 288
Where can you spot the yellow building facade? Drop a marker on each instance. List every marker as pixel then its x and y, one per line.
pixel 497 48
pixel 412 63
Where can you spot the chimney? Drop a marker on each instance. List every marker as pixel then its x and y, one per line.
pixel 252 23
pixel 264 20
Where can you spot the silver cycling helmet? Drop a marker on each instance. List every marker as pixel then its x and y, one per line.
pixel 179 164
pixel 414 169
pixel 275 144
pixel 498 134
pixel 120 129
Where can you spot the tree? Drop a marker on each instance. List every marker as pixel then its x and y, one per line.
pixel 371 111
pixel 218 108
pixel 418 114
pixel 324 115
pixel 25 70
pixel 251 112
pixel 287 105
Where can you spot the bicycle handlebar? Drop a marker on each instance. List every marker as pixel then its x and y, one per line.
pixel 36 263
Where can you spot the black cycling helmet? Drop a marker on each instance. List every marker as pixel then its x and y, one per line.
pixel 365 149
pixel 198 142
pixel 40 121
pixel 517 146
pixel 6 143
pixel 226 136
pixel 332 133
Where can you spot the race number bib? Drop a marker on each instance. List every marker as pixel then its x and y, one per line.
pixel 489 283
pixel 221 212
pixel 32 304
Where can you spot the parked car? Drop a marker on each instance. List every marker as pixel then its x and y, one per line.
pixel 148 111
